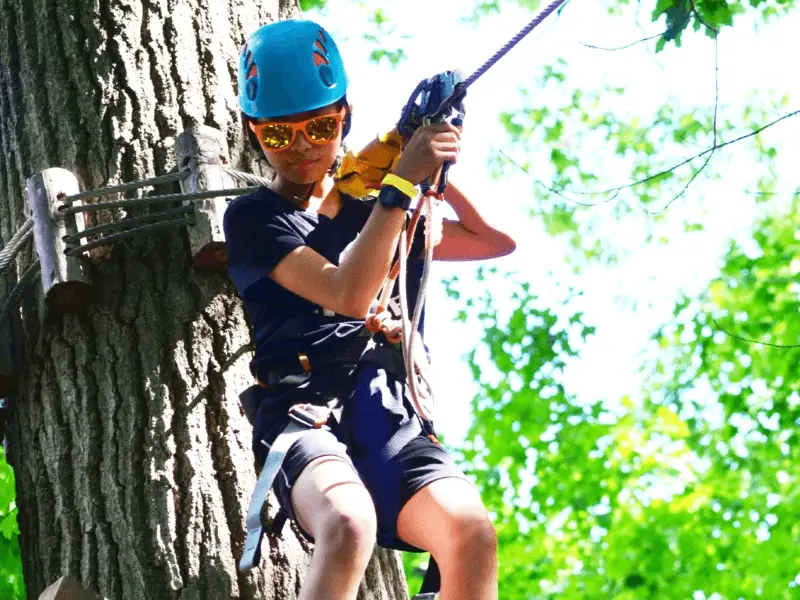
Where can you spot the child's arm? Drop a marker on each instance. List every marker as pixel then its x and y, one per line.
pixel 350 288
pixel 471 237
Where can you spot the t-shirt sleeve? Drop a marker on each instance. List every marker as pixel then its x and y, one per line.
pixel 257 239
pixel 356 213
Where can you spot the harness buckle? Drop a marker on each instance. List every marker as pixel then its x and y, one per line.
pixel 313 417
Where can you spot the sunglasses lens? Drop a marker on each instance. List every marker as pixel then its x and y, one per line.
pixel 323 129
pixel 276 136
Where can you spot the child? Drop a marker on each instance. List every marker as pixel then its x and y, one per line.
pixel 307 309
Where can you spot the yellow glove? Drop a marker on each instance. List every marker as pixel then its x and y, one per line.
pixel 361 174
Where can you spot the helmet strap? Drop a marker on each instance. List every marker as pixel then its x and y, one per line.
pixel 337 162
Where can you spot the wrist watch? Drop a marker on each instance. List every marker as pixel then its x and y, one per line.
pixel 391 197
pixel 396 192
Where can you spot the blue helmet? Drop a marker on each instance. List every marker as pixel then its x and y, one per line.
pixel 289 67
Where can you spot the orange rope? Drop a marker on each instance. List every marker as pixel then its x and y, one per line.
pixel 383 322
pixel 419 386
pixel 412 227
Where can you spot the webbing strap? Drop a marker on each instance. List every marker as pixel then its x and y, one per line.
pixel 255 527
pixel 431 583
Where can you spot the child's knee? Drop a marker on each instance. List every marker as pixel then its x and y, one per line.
pixel 330 500
pixel 474 535
pixel 350 533
pixel 471 539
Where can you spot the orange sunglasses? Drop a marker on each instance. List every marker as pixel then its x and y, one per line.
pixel 279 135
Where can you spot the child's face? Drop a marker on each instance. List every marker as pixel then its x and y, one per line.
pixel 303 161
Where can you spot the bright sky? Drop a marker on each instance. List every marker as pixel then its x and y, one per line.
pixel 750 63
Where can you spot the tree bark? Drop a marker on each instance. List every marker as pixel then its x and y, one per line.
pixel 132 454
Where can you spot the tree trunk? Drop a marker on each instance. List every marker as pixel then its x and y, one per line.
pixel 132 454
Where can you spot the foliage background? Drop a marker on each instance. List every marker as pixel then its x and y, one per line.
pixel 11 584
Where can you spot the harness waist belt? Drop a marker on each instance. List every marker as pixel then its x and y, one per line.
pixel 344 352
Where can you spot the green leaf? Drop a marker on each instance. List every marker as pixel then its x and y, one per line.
pixel 311 4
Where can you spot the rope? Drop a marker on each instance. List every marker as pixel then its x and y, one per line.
pixel 133 185
pixel 95 206
pixel 420 389
pixel 75 238
pixel 248 177
pixel 513 42
pixel 381 320
pixel 115 237
pixel 433 236
pixel 11 301
pixel 416 373
pixel 404 330
pixel 15 244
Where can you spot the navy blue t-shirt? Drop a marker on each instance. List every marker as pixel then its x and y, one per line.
pixel 264 227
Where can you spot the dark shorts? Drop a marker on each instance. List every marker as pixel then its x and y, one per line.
pixel 377 409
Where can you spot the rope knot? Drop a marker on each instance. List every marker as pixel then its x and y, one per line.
pixel 382 322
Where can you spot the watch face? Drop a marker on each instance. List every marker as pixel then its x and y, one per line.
pixel 391 197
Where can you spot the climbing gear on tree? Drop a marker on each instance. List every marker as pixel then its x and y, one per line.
pixel 289 67
pixel 17 242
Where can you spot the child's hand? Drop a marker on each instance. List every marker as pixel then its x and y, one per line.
pixel 427 150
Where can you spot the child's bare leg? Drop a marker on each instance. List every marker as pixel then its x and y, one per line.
pixel 334 507
pixel 447 518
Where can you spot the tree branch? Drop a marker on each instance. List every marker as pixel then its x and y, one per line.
pixel 554 190
pixel 714 145
pixel 699 18
pixel 626 46
pixel 714 148
pixel 754 193
pixel 649 178
pixel 749 341
pixel 708 153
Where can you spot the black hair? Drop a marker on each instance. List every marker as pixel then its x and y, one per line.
pixel 251 137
